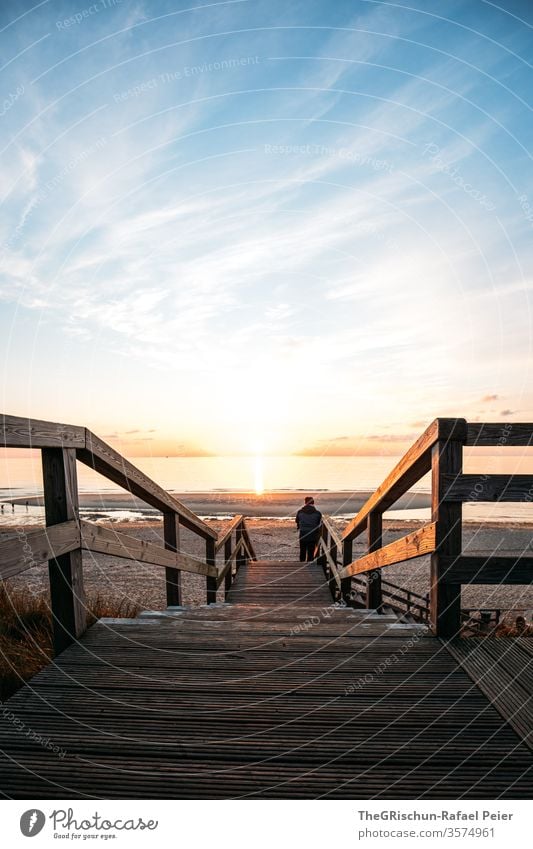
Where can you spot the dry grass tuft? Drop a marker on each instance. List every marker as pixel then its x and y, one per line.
pixel 26 632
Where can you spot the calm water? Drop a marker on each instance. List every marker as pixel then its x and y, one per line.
pixel 22 476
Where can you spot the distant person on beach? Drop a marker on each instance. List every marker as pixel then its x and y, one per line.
pixel 308 521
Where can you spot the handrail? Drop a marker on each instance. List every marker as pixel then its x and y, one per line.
pixel 18 432
pixel 439 450
pixel 236 554
pixel 65 535
pixel 414 465
pixel 228 532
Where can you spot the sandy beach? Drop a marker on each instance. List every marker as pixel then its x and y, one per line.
pixel 217 503
pixel 119 578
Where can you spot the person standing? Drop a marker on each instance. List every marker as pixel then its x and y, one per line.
pixel 308 522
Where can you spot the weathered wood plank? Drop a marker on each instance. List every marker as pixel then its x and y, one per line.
pixel 500 434
pixel 211 560
pixel 108 462
pixel 408 547
pixel 413 465
pixel 171 534
pixel 481 487
pixel 333 532
pixel 489 569
pixel 227 533
pixel 445 596
pixel 374 597
pixel 20 432
pixel 65 571
pixel 108 541
pixel 25 549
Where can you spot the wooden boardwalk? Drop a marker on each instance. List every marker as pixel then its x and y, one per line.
pixel 277 694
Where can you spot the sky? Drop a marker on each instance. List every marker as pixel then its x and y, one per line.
pixel 262 226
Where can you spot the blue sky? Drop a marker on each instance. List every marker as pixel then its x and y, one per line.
pixel 271 226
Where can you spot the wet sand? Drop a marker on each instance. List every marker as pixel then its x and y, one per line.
pixel 118 578
pixel 219 503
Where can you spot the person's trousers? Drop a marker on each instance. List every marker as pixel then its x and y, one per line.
pixel 307 549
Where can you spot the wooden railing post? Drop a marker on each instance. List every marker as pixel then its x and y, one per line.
pixel 239 537
pixel 210 559
pixel 229 576
pixel 65 571
pixel 171 534
pixel 331 575
pixel 322 559
pixel 445 597
pixel 347 557
pixel 374 599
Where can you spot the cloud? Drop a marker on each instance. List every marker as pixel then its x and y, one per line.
pixel 488 398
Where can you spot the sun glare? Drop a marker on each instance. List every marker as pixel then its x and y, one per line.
pixel 258 475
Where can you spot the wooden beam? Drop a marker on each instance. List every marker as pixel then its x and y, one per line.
pixel 479 487
pixel 500 434
pixel 229 560
pixel 227 533
pixel 492 569
pixel 25 549
pixel 333 568
pixel 171 534
pixel 375 543
pixel 241 550
pixel 248 541
pixel 413 465
pixel 445 596
pixel 19 432
pixel 332 530
pixel 211 560
pixel 108 462
pixel 407 548
pixel 67 594
pixel 107 541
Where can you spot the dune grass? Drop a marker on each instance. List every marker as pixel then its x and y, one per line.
pixel 26 632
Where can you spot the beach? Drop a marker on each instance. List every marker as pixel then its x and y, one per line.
pixel 117 578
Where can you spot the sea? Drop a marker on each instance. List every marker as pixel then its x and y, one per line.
pixel 21 477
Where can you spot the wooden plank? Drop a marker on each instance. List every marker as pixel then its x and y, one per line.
pixel 20 432
pixel 65 571
pixel 480 487
pixel 413 465
pixel 251 550
pixel 241 549
pixel 332 530
pixel 229 560
pixel 227 533
pixel 211 560
pixel 171 534
pixel 413 545
pixel 108 541
pixel 108 462
pixel 374 597
pixel 500 669
pixel 445 596
pixel 489 569
pixel 25 549
pixel 500 434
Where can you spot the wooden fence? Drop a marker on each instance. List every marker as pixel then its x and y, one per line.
pixel 440 451
pixel 65 536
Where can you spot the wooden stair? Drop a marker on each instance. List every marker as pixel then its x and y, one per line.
pixel 280 695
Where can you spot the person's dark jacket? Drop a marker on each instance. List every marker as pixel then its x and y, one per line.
pixel 308 521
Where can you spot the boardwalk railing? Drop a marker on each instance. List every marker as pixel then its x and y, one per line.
pixel 235 555
pixel 440 451
pixel 65 536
